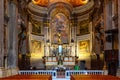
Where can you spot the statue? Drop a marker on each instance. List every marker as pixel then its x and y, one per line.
pixel 22 39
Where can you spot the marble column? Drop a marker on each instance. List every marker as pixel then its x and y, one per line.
pixel 2 38
pixel 73 39
pixel 1 32
pixel 12 40
pixel 118 71
pixel 119 28
pixel 45 41
pixel 108 22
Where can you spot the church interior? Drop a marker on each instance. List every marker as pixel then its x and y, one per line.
pixel 59 35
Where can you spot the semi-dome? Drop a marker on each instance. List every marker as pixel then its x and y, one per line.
pixel 45 3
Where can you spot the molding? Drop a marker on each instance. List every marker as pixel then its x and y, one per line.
pixel 36 17
pixel 84 37
pixel 42 11
pixel 62 4
pixel 37 9
pixel 35 37
pixel 83 17
pixel 84 8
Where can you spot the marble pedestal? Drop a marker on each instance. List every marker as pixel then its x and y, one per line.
pixel 8 72
pixel 2 72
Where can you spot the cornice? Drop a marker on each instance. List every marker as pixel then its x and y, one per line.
pixel 36 17
pixel 84 8
pixel 37 9
pixel 83 17
pixel 42 12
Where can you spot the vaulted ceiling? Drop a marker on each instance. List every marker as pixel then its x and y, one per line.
pixel 74 3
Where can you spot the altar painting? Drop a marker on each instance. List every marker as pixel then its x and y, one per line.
pixel 84 46
pixel 36 27
pixel 83 27
pixel 60 29
pixel 36 51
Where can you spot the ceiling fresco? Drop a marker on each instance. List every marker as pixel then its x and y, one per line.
pixel 45 3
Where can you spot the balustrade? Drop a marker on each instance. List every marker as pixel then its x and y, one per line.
pixel 68 73
pixel 39 72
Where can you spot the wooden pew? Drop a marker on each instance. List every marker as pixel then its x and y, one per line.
pixel 93 77
pixel 28 77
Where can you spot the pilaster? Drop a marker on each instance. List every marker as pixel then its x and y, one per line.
pixel 119 29
pixel 12 39
pixel 1 32
pixel 118 71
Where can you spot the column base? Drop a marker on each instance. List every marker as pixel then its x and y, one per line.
pixel 2 72
pixel 118 72
pixel 11 71
pixel 8 72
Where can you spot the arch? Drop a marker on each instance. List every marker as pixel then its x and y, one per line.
pixel 60 7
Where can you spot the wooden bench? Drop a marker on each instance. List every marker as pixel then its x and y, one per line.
pixel 28 77
pixel 93 77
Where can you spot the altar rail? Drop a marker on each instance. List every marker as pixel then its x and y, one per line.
pixel 39 72
pixel 68 73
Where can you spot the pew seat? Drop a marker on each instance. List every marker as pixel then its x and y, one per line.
pixel 93 77
pixel 28 77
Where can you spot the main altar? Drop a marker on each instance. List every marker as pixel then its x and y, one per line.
pixel 60 57
pixel 59 38
pixel 59 43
